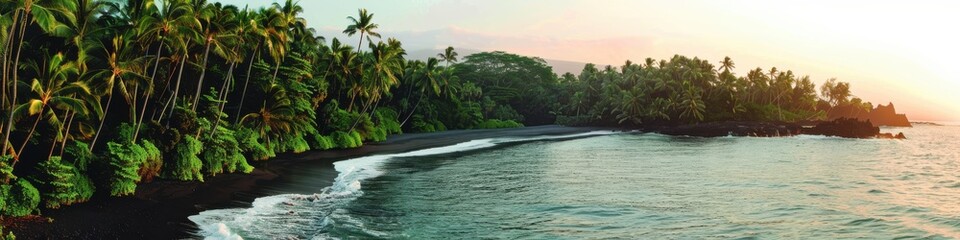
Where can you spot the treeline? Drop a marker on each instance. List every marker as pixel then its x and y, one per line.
pixel 671 92
pixel 685 90
pixel 98 96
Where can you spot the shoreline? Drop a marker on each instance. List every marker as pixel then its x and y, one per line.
pixel 159 209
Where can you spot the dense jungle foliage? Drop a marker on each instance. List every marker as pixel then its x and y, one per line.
pixel 99 96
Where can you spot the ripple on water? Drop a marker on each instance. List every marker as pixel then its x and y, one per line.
pixel 650 186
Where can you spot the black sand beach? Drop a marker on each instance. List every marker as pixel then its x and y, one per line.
pixel 159 210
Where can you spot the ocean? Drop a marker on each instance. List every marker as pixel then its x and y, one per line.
pixel 623 185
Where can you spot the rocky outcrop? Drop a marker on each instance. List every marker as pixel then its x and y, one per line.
pixel 845 127
pixel 879 116
pixel 842 127
pixel 744 129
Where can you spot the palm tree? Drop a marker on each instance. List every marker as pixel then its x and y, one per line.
pixel 425 77
pixel 630 107
pixel 82 28
pixel 124 65
pixel 692 105
pixel 363 25
pixel 250 30
pixel 384 61
pixel 274 117
pixel 53 90
pixel 42 13
pixel 335 55
pixel 280 21
pixel 172 25
pixel 727 65
pixel 448 55
pixel 219 26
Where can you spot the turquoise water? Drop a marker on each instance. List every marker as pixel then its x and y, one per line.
pixel 630 186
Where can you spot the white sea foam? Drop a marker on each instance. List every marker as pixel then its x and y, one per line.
pixel 296 215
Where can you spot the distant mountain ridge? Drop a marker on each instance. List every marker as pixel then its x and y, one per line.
pixel 559 66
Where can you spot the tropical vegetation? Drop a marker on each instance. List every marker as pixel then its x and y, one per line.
pixel 100 96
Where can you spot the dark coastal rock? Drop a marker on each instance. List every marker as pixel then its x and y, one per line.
pixel 722 129
pixel 845 127
pixel 879 116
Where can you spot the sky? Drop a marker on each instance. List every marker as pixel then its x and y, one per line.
pixel 890 51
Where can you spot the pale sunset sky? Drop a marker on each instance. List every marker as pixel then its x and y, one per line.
pixel 890 51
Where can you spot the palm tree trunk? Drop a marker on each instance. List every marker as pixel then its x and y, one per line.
pixel 7 48
pixel 365 107
pixel 65 138
pixel 360 44
pixel 414 110
pixel 243 95
pixel 353 97
pixel 203 72
pixel 29 135
pixel 13 100
pixel 176 88
pixel 143 111
pixel 166 89
pixel 132 101
pixel 102 120
pixel 146 99
pixel 276 70
pixel 53 144
pixel 223 98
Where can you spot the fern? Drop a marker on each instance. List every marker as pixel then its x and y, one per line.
pixel 322 142
pixel 6 169
pixel 183 163
pixel 152 163
pixel 249 143
pixel 82 186
pixel 79 154
pixel 125 161
pixel 56 183
pixel 22 199
pixel 222 153
pixel 387 119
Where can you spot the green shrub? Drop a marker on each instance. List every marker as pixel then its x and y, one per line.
pixel 291 143
pixel 417 124
pixel 184 120
pixel 22 199
pixel 506 112
pixel 82 185
pixel 387 119
pixel 183 163
pixel 357 140
pixel 4 194
pixel 152 163
pixel 496 123
pixel 581 120
pixel 125 161
pixel 439 126
pixel 222 153
pixel 79 154
pixel 6 169
pixel 365 127
pixel 55 182
pixel 347 140
pixel 239 164
pixel 8 236
pixel 322 142
pixel 378 134
pixel 249 143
